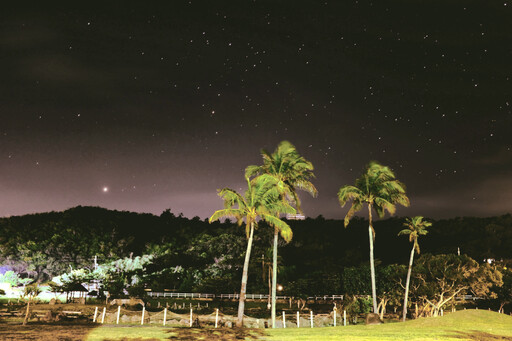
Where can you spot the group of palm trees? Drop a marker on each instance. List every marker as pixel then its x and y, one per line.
pixel 272 191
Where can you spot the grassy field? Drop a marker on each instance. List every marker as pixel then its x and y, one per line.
pixel 461 325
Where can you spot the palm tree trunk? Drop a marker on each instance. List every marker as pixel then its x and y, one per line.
pixel 274 280
pixel 407 283
pixel 241 302
pixel 372 265
pixel 269 304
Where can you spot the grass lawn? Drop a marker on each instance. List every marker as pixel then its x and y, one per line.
pixel 461 325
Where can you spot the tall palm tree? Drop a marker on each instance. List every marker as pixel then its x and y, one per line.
pixel 379 189
pixel 267 266
pixel 291 172
pixel 261 201
pixel 416 227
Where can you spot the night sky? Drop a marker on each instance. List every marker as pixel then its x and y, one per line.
pixel 146 107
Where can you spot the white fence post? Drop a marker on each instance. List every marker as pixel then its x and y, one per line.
pixel 344 318
pixel 216 317
pixel 165 315
pixel 95 314
pixel 142 318
pixel 298 321
pixel 311 317
pixel 118 312
pixel 103 316
pixel 334 313
pixel 190 317
pixel 284 320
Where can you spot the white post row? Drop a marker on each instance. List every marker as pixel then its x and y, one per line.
pixel 165 315
pixel 95 314
pixel 118 313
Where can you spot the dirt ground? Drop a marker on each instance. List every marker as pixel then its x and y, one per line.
pixel 45 332
pixel 191 334
pixel 79 332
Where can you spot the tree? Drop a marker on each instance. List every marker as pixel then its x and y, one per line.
pixel 379 189
pixel 504 292
pixel 31 291
pixel 438 279
pixel 291 172
pixel 13 279
pixel 261 201
pixel 267 265
pixel 416 227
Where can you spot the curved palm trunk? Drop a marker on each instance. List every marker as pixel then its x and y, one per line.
pixel 274 279
pixel 241 302
pixel 372 265
pixel 407 283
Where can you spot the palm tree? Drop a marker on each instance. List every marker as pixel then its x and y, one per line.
pixel 261 201
pixel 415 227
pixel 267 266
pixel 379 189
pixel 290 171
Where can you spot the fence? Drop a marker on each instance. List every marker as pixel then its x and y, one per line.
pixel 217 319
pixel 180 295
pixel 236 296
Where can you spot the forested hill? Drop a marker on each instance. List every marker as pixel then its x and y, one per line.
pixel 51 242
pixel 46 244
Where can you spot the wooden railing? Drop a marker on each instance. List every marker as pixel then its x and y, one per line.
pixel 235 296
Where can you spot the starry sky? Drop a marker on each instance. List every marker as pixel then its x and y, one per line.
pixel 144 107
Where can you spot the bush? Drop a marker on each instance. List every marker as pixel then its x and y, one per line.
pixel 136 291
pixel 359 305
pixel 13 279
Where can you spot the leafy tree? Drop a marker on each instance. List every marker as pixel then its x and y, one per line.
pixel 122 274
pixel 291 172
pixel 504 292
pixel 30 292
pixel 438 279
pixel 379 189
pixel 389 287
pixel 68 282
pixel 356 281
pixel 13 279
pixel 261 201
pixel 416 227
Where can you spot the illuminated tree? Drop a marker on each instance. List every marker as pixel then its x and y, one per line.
pixel 291 172
pixel 30 292
pixel 261 201
pixel 416 226
pixel 379 189
pixel 439 279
